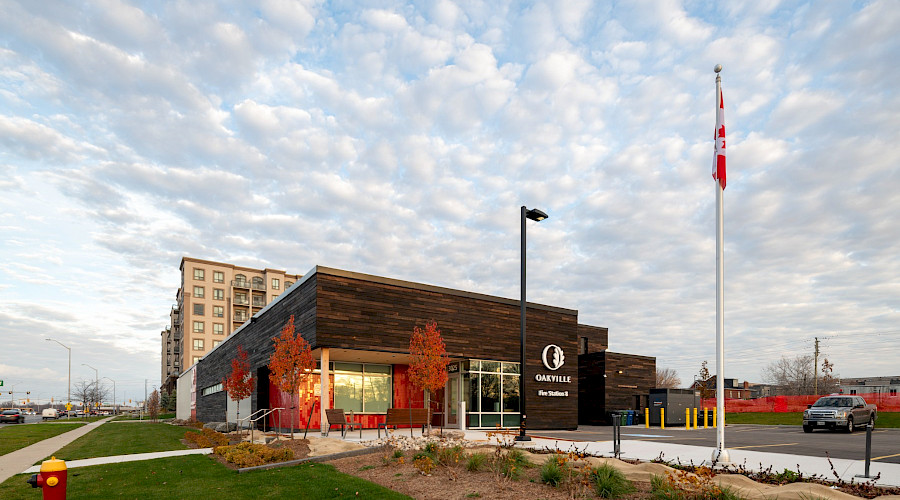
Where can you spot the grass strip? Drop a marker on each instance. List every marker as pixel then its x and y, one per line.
pixel 885 419
pixel 196 476
pixel 124 439
pixel 14 438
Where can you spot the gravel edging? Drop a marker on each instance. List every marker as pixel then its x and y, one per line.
pixel 320 458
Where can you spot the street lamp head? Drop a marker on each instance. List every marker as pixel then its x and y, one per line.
pixel 536 215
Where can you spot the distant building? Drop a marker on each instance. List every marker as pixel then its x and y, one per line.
pixel 733 389
pixel 888 386
pixel 213 300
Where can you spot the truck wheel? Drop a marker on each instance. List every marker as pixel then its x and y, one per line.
pixel 807 428
pixel 849 424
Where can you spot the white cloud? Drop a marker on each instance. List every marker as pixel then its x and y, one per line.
pixel 401 140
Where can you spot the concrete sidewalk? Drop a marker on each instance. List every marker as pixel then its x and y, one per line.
pixel 18 461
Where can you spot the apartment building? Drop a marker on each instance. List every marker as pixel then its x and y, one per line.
pixel 213 300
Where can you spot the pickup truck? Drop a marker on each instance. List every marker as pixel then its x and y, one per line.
pixel 838 412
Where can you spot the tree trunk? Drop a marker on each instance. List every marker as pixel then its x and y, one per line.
pixel 295 408
pixel 428 407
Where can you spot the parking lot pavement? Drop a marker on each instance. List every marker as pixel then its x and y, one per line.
pixel 783 439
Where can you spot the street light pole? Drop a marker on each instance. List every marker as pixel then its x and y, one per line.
pixel 96 382
pixel 69 387
pixel 535 215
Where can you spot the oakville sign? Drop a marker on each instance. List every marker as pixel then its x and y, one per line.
pixel 553 358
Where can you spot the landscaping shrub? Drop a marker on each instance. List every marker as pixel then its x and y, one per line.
pixel 609 482
pixel 450 457
pixel 251 455
pixel 476 462
pixel 555 471
pixel 206 438
pixel 662 489
pixel 424 464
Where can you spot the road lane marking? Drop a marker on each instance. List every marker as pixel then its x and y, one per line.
pixel 886 456
pixel 760 446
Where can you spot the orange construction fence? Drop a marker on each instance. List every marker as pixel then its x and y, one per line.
pixel 785 404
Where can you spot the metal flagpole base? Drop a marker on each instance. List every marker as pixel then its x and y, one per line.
pixel 721 457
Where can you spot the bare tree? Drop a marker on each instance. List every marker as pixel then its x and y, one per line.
pixel 89 393
pixel 667 378
pixel 791 376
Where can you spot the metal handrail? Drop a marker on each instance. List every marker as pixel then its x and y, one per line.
pixel 268 411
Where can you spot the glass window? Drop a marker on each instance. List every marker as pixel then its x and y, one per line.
pixel 218 277
pixel 348 391
pixel 199 326
pixel 510 393
pixel 472 392
pixel 510 367
pixel 198 344
pixel 199 274
pixel 240 280
pixel 218 329
pixel 240 298
pixel 362 388
pixel 198 309
pixel 199 292
pixel 196 359
pixel 276 283
pixel 218 311
pixel 218 294
pixel 490 392
pixel 377 392
pixel 216 342
pixel 490 366
pixel 287 284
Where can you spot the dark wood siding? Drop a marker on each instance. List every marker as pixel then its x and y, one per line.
pixel 360 314
pixel 256 339
pixel 336 309
pixel 616 391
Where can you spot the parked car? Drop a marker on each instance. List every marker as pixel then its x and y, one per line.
pixel 50 413
pixel 838 411
pixel 15 416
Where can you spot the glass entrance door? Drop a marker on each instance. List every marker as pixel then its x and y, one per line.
pixel 453 400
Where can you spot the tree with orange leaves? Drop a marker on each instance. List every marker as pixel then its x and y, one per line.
pixel 239 384
pixel 428 367
pixel 291 362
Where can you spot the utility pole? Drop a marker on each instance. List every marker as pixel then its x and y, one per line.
pixel 816 369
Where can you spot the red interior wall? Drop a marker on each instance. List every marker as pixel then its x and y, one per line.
pixel 405 396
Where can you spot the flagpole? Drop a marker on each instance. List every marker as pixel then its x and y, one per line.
pixel 720 455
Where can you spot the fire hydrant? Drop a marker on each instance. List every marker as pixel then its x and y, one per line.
pixel 51 479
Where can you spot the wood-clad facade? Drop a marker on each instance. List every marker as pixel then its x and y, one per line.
pixel 358 318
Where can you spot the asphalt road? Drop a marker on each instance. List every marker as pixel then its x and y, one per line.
pixel 788 439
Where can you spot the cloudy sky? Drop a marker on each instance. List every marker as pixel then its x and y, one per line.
pixel 400 139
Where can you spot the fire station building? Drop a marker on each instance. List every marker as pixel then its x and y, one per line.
pixel 359 327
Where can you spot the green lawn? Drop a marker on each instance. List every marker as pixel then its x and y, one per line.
pixel 124 439
pixel 885 419
pixel 161 416
pixel 195 476
pixel 765 418
pixel 16 437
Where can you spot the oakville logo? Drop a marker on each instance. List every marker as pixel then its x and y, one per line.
pixel 553 357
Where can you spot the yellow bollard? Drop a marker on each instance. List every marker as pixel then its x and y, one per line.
pixel 662 418
pixel 647 418
pixel 687 419
pixel 705 418
pixel 716 416
pixel 695 418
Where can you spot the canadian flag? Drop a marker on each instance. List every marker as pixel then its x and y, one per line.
pixel 718 167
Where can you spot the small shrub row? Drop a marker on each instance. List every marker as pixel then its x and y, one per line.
pixel 206 438
pixel 251 455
